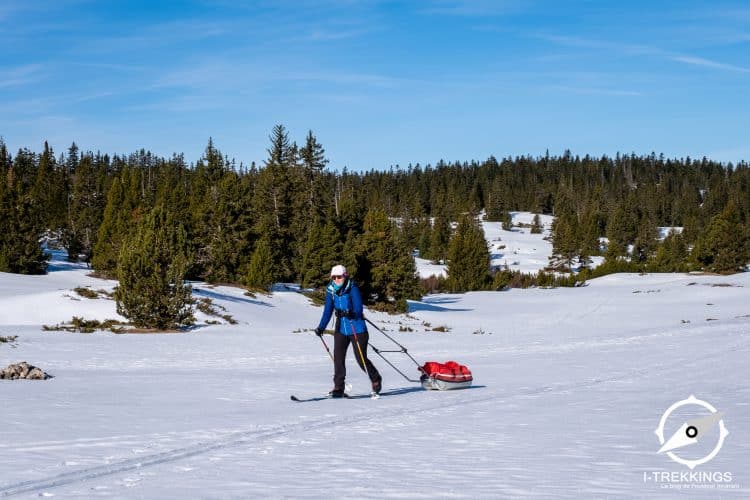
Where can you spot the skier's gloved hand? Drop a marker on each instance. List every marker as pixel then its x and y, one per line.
pixel 340 313
pixel 351 315
pixel 319 332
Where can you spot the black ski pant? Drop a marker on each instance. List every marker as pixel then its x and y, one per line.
pixel 340 345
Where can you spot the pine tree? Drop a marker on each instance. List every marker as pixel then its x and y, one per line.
pixel 565 241
pixel 151 268
pixel 496 201
pixel 385 269
pixel 646 240
pixel 468 257
pixel 278 205
pixel 225 229
pixel 260 275
pixel 323 250
pixel 724 246
pixel 439 239
pixel 21 222
pixel 671 255
pixel 120 215
pixel 84 209
pixel 312 156
pixel 507 221
pixel 48 191
pixel 536 225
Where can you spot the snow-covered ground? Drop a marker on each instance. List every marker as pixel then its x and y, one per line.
pixel 516 250
pixel 570 385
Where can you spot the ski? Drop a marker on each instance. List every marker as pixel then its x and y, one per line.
pixel 317 398
pixel 372 395
pixel 298 399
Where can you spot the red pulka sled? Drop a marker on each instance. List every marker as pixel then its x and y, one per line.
pixel 435 376
pixel 445 376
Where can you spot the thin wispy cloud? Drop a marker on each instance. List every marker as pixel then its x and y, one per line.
pixel 21 75
pixel 215 64
pixel 596 91
pixel 149 38
pixel 602 45
pixel 319 35
pixel 469 8
pixel 700 61
pixel 635 49
pixel 221 75
pixel 342 78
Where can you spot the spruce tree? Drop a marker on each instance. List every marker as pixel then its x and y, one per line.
pixel 507 221
pixel 84 209
pixel 323 250
pixel 225 228
pixel 468 257
pixel 646 240
pixel 21 227
pixel 724 246
pixel 151 268
pixel 536 225
pixel 565 241
pixel 119 217
pixel 385 268
pixel 439 239
pixel 278 202
pixel 671 255
pixel 313 161
pixel 260 274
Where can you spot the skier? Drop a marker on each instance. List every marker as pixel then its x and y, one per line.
pixel 343 298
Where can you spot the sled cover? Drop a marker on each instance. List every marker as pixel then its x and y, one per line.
pixel 445 376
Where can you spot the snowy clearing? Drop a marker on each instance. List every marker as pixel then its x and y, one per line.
pixel 569 386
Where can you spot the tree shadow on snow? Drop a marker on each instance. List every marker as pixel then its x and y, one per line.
pixel 63 265
pixel 433 306
pixel 220 296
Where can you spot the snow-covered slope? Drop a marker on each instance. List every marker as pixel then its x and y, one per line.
pixel 570 385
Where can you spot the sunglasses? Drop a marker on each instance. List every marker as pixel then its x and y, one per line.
pixel 336 277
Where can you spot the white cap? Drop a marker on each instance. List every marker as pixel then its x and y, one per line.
pixel 338 270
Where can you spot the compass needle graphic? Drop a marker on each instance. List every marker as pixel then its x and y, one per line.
pixel 691 432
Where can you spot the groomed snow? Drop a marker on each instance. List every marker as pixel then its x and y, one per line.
pixel 569 387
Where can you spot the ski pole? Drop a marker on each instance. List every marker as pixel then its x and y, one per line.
pixel 327 349
pixel 359 348
pixel 347 385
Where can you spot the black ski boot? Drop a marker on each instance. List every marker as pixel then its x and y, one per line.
pixel 377 385
pixel 336 393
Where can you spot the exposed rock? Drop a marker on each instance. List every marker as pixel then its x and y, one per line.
pixel 23 370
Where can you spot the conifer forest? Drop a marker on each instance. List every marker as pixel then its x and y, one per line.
pixel 291 218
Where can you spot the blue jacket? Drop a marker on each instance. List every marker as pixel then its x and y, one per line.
pixel 348 300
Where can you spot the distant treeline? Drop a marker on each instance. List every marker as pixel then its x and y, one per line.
pixel 291 218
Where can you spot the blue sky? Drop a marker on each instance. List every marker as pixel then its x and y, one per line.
pixel 378 82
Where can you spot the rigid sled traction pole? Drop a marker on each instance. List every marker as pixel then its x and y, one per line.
pixel 401 350
pixel 435 376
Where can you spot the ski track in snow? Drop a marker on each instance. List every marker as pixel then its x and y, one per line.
pixel 257 436
pixel 571 383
